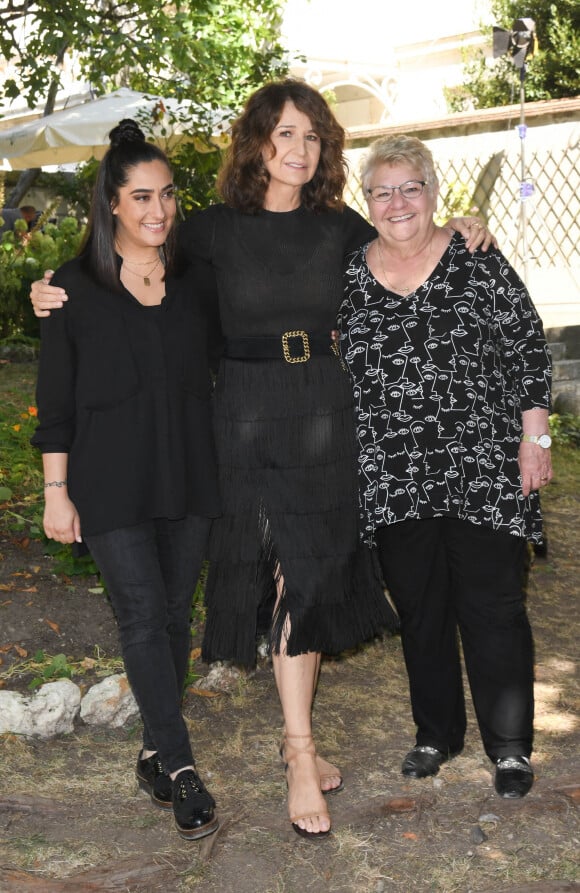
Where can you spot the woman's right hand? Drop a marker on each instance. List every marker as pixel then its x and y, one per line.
pixel 46 297
pixel 61 520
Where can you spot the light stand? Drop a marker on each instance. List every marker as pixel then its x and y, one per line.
pixel 526 186
pixel 520 43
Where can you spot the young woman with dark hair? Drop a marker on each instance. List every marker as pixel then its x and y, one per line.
pixel 125 431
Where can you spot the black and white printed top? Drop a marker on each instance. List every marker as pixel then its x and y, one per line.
pixel 441 378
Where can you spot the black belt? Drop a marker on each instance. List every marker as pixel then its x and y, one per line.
pixel 293 347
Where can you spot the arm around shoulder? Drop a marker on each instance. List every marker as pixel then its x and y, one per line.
pixel 46 297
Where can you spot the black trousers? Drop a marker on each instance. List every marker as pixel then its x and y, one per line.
pixel 445 575
pixel 151 571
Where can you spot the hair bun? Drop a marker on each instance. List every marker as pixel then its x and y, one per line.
pixel 126 131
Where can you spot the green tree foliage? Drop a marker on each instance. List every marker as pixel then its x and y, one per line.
pixel 553 72
pixel 211 53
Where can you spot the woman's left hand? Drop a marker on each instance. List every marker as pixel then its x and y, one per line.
pixel 474 231
pixel 535 467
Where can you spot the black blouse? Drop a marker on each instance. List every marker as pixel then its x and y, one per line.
pixel 125 389
pixel 441 378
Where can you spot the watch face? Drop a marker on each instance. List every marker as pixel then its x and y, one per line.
pixel 545 441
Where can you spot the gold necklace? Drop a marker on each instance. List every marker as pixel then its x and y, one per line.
pixel 147 277
pixel 405 289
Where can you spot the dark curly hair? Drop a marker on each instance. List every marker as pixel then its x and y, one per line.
pixel 243 179
pixel 128 148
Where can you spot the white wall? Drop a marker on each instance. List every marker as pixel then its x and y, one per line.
pixel 415 48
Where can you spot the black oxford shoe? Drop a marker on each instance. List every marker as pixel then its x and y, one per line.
pixel 193 806
pixel 422 761
pixel 513 777
pixel 153 779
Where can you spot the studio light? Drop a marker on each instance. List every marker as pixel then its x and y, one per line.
pixel 520 42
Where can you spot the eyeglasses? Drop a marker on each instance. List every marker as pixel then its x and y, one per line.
pixel 410 190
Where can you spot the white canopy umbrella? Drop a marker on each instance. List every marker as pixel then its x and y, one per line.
pixel 82 132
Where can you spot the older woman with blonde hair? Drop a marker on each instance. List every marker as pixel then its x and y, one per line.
pixel 451 375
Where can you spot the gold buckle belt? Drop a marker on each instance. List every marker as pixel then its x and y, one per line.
pixel 297 333
pixel 278 347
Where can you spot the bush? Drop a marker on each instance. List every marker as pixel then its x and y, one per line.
pixel 23 258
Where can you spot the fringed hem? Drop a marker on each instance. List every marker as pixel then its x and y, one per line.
pixel 287 465
pixel 351 608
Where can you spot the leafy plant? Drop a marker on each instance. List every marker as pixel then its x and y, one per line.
pixel 51 668
pixel 43 667
pixel 23 258
pixel 21 476
pixel 565 429
pixel 68 564
pixel 455 201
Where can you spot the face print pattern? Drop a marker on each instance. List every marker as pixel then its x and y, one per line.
pixel 440 380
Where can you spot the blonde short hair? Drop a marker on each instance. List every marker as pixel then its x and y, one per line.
pixel 397 150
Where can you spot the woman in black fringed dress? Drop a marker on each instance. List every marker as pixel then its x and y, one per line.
pixel 285 441
pixel 287 545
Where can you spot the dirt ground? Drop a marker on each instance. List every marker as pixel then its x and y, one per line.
pixel 73 820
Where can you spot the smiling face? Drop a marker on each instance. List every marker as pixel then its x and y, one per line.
pixel 292 155
pixel 145 209
pixel 401 219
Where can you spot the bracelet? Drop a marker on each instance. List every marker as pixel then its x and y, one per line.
pixel 55 484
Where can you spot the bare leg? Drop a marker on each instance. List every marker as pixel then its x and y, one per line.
pixel 296 681
pixel 330 776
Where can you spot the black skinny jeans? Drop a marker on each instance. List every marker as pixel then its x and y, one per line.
pixel 445 575
pixel 151 570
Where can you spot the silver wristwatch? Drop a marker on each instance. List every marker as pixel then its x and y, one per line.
pixel 543 440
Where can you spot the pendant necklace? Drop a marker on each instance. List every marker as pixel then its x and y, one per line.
pixel 147 276
pixel 405 289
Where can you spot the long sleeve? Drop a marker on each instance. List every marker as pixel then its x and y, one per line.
pixel 55 389
pixel 521 342
pixel 125 390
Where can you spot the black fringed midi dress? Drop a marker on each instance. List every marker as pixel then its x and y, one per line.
pixel 285 442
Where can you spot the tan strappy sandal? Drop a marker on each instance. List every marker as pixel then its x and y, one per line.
pixel 296 747
pixel 325 770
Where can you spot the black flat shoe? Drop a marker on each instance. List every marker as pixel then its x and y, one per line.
pixel 423 761
pixel 154 781
pixel 193 806
pixel 513 777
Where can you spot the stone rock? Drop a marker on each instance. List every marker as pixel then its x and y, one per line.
pixel 14 713
pixel 54 707
pixel 477 835
pixel 489 817
pixel 221 677
pixel 109 703
pixel 50 711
